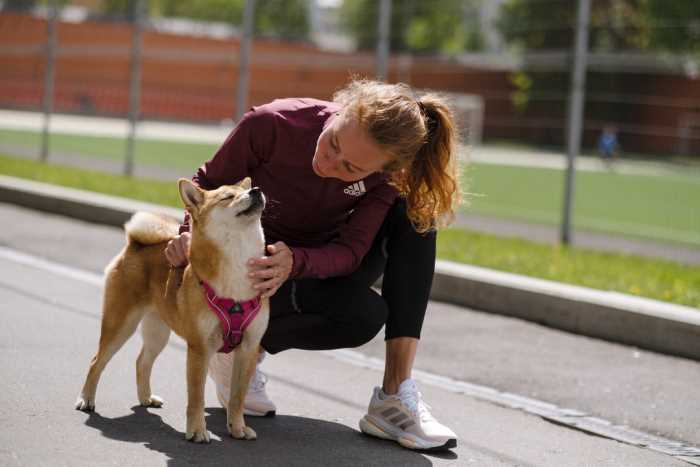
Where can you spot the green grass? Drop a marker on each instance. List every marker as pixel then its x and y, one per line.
pixel 645 277
pixel 152 191
pixel 658 279
pixel 148 152
pixel 664 207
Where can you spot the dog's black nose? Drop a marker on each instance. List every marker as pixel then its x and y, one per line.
pixel 256 195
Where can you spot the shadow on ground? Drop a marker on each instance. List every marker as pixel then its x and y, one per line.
pixel 282 441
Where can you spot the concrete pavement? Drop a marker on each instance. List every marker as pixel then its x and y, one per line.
pixel 51 331
pixel 650 324
pixel 596 385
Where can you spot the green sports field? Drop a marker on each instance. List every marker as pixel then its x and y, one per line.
pixel 646 277
pixel 664 207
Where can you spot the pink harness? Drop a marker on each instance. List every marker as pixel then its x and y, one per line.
pixel 234 316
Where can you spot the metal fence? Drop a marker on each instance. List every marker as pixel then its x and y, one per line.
pixel 163 60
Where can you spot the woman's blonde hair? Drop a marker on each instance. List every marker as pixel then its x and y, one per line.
pixel 419 135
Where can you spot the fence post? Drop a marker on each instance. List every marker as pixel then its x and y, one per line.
pixel 134 85
pixel 244 60
pixel 575 117
pixel 383 33
pixel 49 75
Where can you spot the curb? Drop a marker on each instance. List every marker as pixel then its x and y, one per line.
pixel 645 323
pixel 642 322
pixel 84 205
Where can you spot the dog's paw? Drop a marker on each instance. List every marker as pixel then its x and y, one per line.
pixel 86 404
pixel 198 436
pixel 152 401
pixel 244 432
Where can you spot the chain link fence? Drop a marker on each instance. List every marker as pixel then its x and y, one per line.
pixel 120 67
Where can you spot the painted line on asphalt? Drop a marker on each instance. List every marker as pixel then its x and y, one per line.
pixel 571 418
pixel 50 266
pixel 564 416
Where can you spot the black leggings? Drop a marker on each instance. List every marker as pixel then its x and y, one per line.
pixel 341 312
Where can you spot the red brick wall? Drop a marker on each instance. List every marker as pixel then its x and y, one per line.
pixel 189 78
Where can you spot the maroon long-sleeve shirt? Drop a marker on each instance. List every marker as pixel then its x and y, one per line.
pixel 329 224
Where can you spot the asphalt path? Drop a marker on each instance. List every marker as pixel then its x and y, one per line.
pixel 50 331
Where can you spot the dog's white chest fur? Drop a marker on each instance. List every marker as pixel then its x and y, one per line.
pixel 237 246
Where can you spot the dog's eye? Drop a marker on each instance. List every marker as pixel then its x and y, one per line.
pixel 226 198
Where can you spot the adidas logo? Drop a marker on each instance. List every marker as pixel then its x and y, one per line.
pixel 356 189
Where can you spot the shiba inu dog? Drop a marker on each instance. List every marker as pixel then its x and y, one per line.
pixel 142 287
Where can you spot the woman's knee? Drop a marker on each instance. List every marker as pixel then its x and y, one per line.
pixel 363 313
pixel 371 320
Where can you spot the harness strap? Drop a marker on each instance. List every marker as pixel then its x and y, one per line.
pixel 234 316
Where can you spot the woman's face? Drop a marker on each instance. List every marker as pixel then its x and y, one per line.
pixel 346 152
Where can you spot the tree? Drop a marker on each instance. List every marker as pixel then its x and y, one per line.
pixel 674 26
pixel 448 26
pixel 548 25
pixel 119 9
pixel 286 19
pixel 614 25
pixel 22 6
pixel 227 11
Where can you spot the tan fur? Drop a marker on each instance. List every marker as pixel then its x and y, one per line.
pixel 148 228
pixel 141 287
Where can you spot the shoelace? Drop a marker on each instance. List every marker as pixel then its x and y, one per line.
pixel 413 400
pixel 258 381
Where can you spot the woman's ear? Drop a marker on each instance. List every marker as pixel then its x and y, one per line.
pixel 191 195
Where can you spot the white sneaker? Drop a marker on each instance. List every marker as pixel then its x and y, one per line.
pixel 405 418
pixel 256 402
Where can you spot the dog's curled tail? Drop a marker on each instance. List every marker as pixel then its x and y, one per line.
pixel 148 228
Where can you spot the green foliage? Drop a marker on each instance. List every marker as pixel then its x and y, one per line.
pixel 448 26
pixel 674 25
pixel 227 11
pixel 26 6
pixel 520 97
pixel 614 24
pixel 286 19
pixel 18 5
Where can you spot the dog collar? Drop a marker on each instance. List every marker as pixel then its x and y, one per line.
pixel 234 316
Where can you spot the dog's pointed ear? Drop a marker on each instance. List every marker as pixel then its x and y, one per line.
pixel 191 195
pixel 246 183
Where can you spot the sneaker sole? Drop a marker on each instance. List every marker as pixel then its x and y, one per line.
pixel 372 427
pixel 251 413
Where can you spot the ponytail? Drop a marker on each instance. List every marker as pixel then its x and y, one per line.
pixel 420 138
pixel 430 182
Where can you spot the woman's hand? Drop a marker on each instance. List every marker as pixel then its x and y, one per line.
pixel 268 273
pixel 178 249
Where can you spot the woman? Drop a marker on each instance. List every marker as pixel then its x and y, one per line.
pixel 356 189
